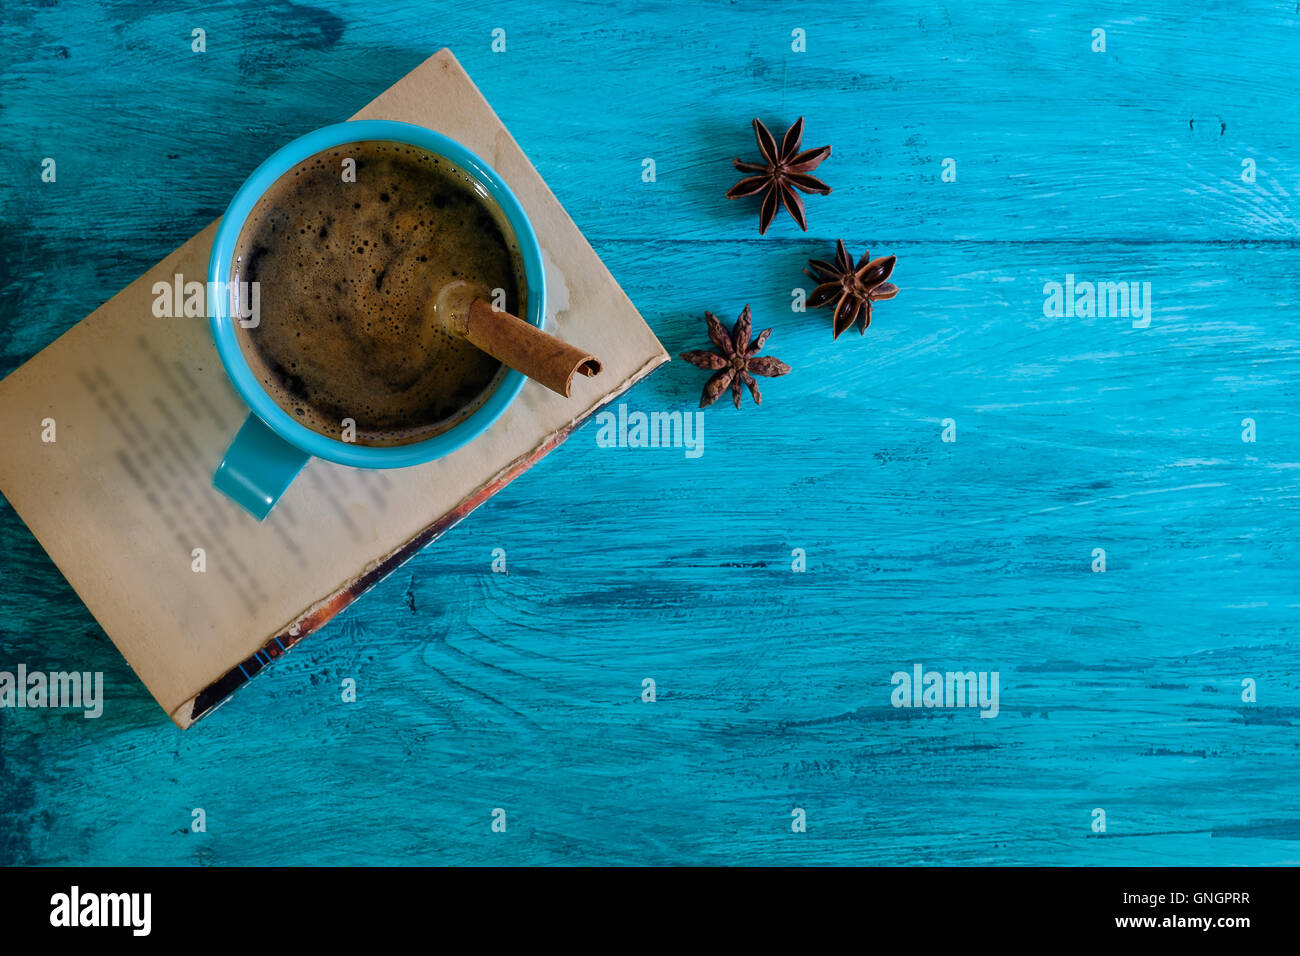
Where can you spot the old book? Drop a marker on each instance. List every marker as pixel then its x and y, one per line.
pixel 142 412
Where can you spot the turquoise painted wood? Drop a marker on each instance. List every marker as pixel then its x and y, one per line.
pixel 1120 690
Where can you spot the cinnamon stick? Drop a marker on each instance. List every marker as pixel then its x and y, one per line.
pixel 524 347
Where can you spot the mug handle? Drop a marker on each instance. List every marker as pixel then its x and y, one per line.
pixel 258 467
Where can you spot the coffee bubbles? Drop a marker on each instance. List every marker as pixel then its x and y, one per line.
pixel 348 272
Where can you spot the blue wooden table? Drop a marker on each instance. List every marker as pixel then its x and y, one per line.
pixel 1162 690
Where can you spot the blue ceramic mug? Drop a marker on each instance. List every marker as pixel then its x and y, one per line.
pixel 271 447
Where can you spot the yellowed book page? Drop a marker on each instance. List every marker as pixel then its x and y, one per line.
pixel 143 412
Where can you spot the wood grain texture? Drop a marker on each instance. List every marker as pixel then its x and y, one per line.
pixel 477 690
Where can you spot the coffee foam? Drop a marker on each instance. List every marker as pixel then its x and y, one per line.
pixel 348 272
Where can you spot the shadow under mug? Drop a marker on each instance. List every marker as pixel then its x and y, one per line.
pixel 271 447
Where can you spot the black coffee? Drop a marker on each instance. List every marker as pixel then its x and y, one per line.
pixel 347 273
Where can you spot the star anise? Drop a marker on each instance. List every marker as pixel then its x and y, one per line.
pixel 736 361
pixel 851 288
pixel 780 174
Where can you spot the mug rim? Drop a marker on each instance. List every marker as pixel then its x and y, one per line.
pixel 241 375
